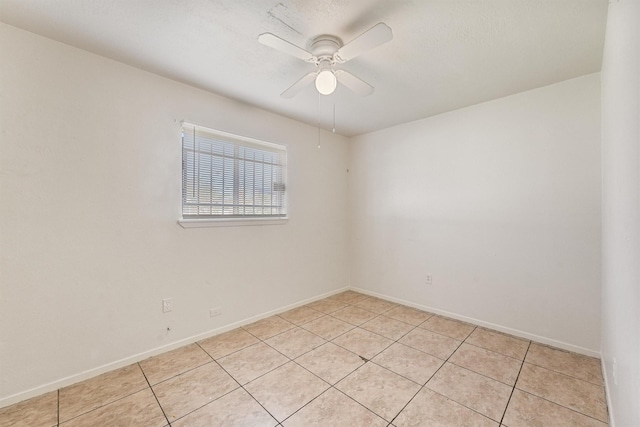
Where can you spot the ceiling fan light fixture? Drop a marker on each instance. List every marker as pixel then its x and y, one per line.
pixel 326 82
pixel 326 51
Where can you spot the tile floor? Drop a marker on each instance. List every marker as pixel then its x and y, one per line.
pixel 348 360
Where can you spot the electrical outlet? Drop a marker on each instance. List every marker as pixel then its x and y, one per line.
pixel 167 305
pixel 428 279
pixel 213 312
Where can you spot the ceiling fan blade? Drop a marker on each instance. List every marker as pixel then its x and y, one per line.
pixel 299 85
pixel 282 45
pixel 352 82
pixel 375 36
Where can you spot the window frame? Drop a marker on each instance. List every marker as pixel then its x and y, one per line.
pixel 232 221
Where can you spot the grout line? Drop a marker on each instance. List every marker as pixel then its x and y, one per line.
pixel 493 351
pixel 249 393
pixel 306 404
pixel 601 385
pixel 279 333
pixel 482 375
pixel 339 335
pixel 293 361
pixel 432 375
pixel 565 375
pixel 396 341
pixel 279 366
pixel 261 405
pixel 240 386
pixel 462 405
pixel 558 403
pixel 154 394
pixel 514 384
pixel 562 406
pixel 352 303
pixel 104 405
pixel 181 373
pixel 413 327
pixel 377 315
pixel 341 392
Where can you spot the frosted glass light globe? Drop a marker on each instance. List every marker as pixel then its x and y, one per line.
pixel 326 82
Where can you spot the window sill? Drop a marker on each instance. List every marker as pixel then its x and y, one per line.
pixel 232 222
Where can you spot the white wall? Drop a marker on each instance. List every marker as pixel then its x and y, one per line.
pixel 500 202
pixel 621 212
pixel 90 171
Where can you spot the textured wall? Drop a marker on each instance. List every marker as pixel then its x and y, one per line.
pixel 621 212
pixel 90 190
pixel 500 202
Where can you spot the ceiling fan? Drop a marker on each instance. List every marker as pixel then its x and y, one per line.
pixel 326 52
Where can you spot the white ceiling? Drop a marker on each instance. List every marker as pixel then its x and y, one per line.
pixel 445 54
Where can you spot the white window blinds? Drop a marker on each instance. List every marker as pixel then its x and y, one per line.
pixel 229 176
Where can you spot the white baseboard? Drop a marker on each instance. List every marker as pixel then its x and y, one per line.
pixel 90 373
pixel 500 328
pixel 72 379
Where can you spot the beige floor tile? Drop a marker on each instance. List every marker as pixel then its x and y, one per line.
pixel 387 327
pixel 236 409
pixel 101 390
pixel 330 362
pixel 572 364
pixel 301 315
pixel 363 343
pixel 484 395
pixel 295 342
pixel 489 363
pixel 327 305
pixel 435 344
pixel 449 327
pixel 354 315
pixel 413 364
pixel 376 305
pixel 527 410
pixel 175 362
pixel 334 409
pixel 328 327
pixel 138 409
pixel 554 387
pixel 379 390
pixel 41 411
pixel 251 362
pixel 269 327
pixel 570 392
pixel 500 343
pixel 227 343
pixel 409 315
pixel 347 297
pixel 286 389
pixel 189 391
pixel 434 410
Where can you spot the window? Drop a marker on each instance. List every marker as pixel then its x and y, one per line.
pixel 230 177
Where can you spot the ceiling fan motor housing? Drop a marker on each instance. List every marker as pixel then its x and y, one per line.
pixel 324 47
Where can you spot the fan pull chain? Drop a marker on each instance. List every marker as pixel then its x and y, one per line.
pixel 319 99
pixel 334 117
